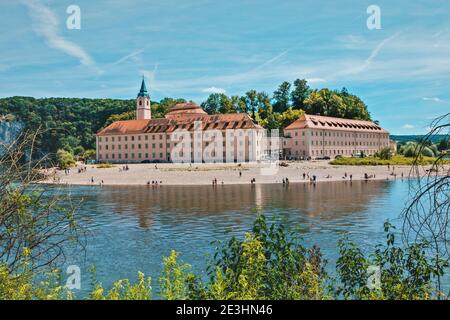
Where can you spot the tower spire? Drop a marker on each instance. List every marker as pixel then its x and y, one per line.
pixel 143 92
pixel 143 111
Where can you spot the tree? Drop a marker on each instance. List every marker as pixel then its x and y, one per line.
pixel 281 97
pixel 385 153
pixel 251 102
pixel 264 105
pixel 336 104
pixel 78 151
pixel 64 159
pixel 226 105
pixel 129 115
pixel 444 144
pixel 218 103
pixel 315 103
pixel 300 93
pixel 289 116
pixel 238 104
pixel 89 154
pixel 36 222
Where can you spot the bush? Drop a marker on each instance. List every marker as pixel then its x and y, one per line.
pixel 427 152
pixel 78 151
pixel 269 263
pixel 105 166
pixel 395 160
pixel 64 159
pixel 89 154
pixel 384 154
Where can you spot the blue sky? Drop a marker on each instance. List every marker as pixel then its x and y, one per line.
pixel 191 48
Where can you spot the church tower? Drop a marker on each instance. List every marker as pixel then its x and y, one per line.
pixel 143 111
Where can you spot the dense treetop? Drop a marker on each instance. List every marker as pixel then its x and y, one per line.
pixel 71 123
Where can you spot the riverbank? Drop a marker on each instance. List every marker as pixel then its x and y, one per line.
pixel 205 174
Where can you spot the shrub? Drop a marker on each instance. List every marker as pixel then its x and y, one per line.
pixel 395 160
pixel 78 151
pixel 104 166
pixel 384 154
pixel 427 152
pixel 64 159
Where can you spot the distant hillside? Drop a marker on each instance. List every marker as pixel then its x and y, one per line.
pixel 71 123
pixel 406 138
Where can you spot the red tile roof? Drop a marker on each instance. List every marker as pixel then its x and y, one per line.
pixel 182 116
pixel 124 127
pixel 323 122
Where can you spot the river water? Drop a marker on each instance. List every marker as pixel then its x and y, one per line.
pixel 132 228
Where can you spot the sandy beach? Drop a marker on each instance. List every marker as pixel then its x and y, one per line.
pixel 204 174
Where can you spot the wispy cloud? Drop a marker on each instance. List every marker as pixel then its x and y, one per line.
pixel 132 56
pixel 214 90
pixel 271 60
pixel 46 24
pixel 407 126
pixel 366 64
pixel 150 75
pixel 435 99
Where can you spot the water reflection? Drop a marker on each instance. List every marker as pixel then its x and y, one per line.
pixel 132 228
pixel 325 201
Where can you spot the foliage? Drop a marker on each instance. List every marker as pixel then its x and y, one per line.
pixel 174 279
pixel 395 160
pixel 66 123
pixel 405 273
pixel 270 262
pixel 413 149
pixel 336 104
pixel 36 221
pixel 89 154
pixel 104 166
pixel 64 159
pixel 384 154
pixel 124 290
pixel 444 144
pixel 281 96
pixel 71 123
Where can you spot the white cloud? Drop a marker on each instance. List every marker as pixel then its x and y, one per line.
pixel 408 126
pixel 315 80
pixel 435 99
pixel 45 24
pixel 150 75
pixel 133 56
pixel 214 90
pixel 366 64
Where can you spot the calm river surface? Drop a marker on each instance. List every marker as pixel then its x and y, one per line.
pixel 132 228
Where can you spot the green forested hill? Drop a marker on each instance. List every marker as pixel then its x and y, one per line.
pixel 71 123
pixel 67 122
